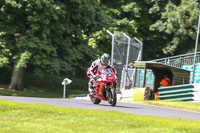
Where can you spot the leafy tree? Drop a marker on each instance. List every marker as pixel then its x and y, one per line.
pixel 178 24
pixel 166 27
pixel 47 36
pixel 134 19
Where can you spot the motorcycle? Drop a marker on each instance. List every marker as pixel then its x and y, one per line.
pixel 105 87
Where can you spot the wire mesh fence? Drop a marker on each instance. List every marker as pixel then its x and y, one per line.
pixel 125 50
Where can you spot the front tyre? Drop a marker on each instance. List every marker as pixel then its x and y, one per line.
pixel 112 97
pixel 94 100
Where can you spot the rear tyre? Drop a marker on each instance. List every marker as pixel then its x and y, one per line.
pixel 94 100
pixel 112 97
pixel 146 94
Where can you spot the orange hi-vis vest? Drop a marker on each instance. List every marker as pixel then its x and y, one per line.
pixel 165 82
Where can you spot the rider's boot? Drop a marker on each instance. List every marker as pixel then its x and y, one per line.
pixel 91 89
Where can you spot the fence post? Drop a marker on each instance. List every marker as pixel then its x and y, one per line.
pixel 127 56
pixel 195 52
pixel 141 48
pixel 112 51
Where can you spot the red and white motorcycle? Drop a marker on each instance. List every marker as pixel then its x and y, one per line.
pixel 105 87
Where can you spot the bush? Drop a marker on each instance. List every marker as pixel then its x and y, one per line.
pixel 5 75
pixel 54 82
pixel 48 81
pixel 79 83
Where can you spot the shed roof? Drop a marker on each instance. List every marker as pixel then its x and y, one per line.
pixel 156 65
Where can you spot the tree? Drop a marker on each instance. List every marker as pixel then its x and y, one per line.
pixel 166 27
pixel 48 36
pixel 178 23
pixel 134 19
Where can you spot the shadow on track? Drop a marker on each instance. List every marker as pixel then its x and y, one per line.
pixel 118 106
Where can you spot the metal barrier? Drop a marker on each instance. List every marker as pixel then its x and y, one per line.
pixel 186 92
pixel 179 60
pixel 125 50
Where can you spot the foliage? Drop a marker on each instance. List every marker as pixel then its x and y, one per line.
pixel 134 19
pixel 54 82
pixel 56 37
pixel 3 61
pixel 166 27
pixel 179 23
pixel 5 75
pixel 49 36
pixel 23 59
pixel 3 51
pixel 47 82
pixel 32 91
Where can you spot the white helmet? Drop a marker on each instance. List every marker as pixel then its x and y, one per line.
pixel 105 59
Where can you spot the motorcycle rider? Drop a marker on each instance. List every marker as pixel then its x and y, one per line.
pixel 97 65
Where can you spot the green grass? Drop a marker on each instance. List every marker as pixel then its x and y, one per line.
pixel 34 118
pixel 176 104
pixel 39 92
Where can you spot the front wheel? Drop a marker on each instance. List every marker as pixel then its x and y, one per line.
pixel 112 97
pixel 94 100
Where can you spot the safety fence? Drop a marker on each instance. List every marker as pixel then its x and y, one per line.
pixel 125 51
pixel 196 73
pixel 186 92
pixel 179 60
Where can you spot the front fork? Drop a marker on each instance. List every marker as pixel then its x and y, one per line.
pixel 108 92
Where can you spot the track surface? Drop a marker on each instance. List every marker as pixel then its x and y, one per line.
pixel 139 109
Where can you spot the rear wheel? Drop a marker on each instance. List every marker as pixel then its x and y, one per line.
pixel 146 94
pixel 94 100
pixel 112 97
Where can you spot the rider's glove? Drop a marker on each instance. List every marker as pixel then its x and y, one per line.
pixel 95 77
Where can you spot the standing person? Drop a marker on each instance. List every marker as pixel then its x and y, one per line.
pixel 97 65
pixel 165 82
pixel 129 78
pixel 131 65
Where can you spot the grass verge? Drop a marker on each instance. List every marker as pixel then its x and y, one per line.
pixel 176 104
pixel 34 118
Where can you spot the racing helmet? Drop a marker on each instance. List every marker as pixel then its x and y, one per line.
pixel 105 59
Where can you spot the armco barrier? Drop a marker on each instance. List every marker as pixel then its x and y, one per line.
pixel 186 92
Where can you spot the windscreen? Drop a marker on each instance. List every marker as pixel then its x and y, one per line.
pixel 107 71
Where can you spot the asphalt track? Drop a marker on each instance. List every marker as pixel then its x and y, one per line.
pixel 131 108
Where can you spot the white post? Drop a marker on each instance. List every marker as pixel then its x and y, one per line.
pixel 112 51
pixel 141 49
pixel 127 56
pixel 195 52
pixel 65 82
pixel 64 89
